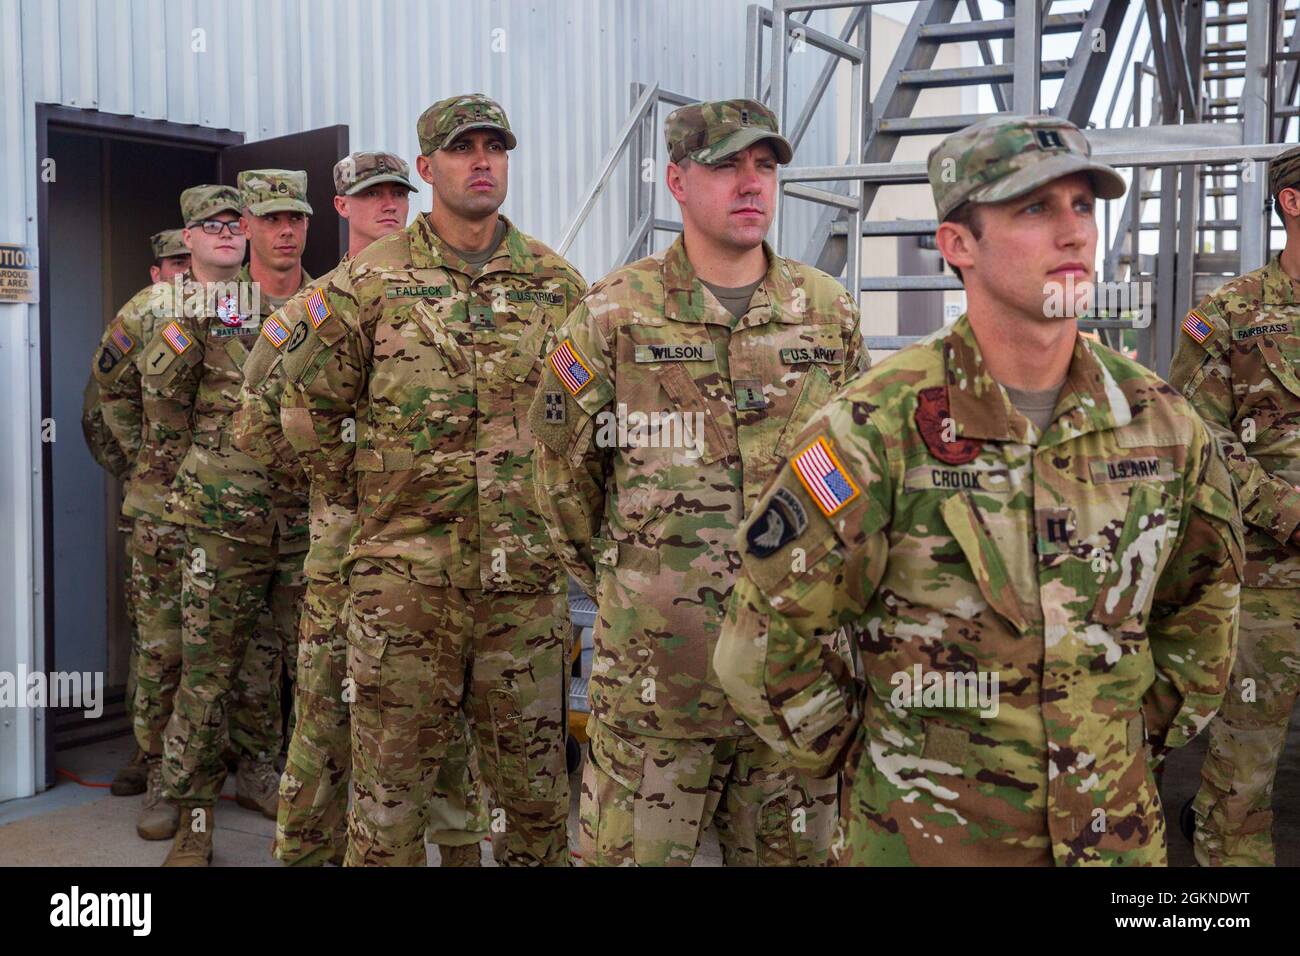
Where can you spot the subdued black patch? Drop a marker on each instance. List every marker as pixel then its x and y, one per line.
pixel 554 408
pixel 299 335
pixel 781 522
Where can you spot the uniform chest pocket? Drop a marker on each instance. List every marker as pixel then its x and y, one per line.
pixel 816 391
pixel 696 416
pixel 1126 559
pixel 525 361
pixel 1282 353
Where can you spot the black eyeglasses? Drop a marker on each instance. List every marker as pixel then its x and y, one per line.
pixel 213 227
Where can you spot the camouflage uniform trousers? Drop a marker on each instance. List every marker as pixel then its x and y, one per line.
pixel 222 604
pixel 647 800
pixel 126 528
pixel 1234 804
pixel 256 716
pixel 157 553
pixel 311 822
pixel 423 660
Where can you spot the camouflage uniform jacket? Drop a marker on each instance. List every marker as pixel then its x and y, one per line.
pixel 1243 380
pixel 117 371
pixel 273 427
pixel 646 524
pixel 1094 572
pixel 193 373
pixel 434 369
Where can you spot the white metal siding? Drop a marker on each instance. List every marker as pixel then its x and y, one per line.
pixel 273 67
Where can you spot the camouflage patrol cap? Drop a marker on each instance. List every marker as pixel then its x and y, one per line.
pixel 1284 171
pixel 440 125
pixel 1003 157
pixel 358 171
pixel 204 202
pixel 168 243
pixel 710 132
pixel 264 191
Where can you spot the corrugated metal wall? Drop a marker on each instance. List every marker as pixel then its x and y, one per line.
pixel 562 68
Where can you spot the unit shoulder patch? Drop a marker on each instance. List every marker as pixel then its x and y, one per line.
pixel 783 520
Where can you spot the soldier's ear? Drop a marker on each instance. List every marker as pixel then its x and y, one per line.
pixel 674 178
pixel 155 274
pixel 1288 200
pixel 424 166
pixel 956 243
pixel 341 206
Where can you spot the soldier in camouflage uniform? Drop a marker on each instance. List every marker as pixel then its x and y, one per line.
pixel 158 546
pixel 245 537
pixel 170 258
pixel 672 394
pixel 372 194
pixel 1237 364
pixel 1046 592
pixel 429 346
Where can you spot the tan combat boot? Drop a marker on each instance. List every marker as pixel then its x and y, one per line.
pixel 133 778
pixel 467 855
pixel 158 815
pixel 193 843
pixel 257 787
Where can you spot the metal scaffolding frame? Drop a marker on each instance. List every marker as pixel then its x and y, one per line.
pixel 1209 101
pixel 1202 159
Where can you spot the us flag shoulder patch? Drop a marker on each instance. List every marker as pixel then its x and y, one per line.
pixel 176 338
pixel 1197 327
pixel 569 366
pixel 275 331
pixel 317 308
pixel 826 480
pixel 121 339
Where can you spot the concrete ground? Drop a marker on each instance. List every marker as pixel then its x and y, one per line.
pixel 75 825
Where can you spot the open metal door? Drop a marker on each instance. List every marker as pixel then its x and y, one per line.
pixel 316 151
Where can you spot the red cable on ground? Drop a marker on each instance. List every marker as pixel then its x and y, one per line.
pixel 101 786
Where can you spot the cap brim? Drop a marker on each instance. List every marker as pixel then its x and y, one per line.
pixel 1106 183
pixel 743 139
pixel 460 131
pixel 376 180
pixel 279 205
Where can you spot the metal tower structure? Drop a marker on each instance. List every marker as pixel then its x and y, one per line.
pixel 1192 97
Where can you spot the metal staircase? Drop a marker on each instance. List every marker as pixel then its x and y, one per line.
pixel 1211 97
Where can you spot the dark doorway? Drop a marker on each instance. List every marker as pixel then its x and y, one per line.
pixel 112 183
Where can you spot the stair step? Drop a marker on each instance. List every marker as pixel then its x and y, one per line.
pixel 1211 75
pixel 975 75
pixel 926 125
pixel 1003 28
pixel 910 283
pixel 891 227
pixel 1237 19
